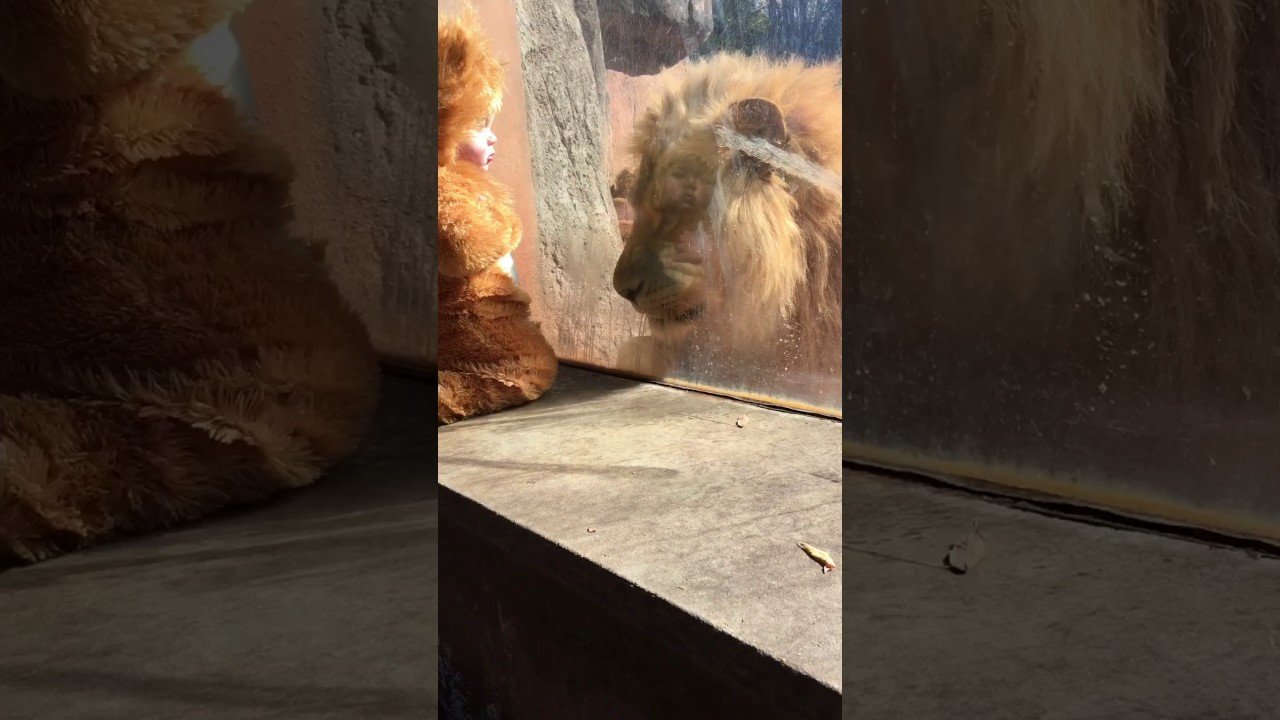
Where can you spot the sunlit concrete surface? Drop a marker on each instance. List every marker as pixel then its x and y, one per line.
pixel 655 545
pixel 1059 620
pixel 320 605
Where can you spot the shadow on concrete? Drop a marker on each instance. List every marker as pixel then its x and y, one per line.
pixel 217 694
pixel 1060 618
pixel 322 603
pixel 655 473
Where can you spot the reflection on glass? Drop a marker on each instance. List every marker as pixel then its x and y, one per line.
pixel 1066 250
pixel 729 208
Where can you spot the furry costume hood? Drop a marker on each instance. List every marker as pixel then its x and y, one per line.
pixel 477 222
pixel 72 48
pixel 471 80
pixel 491 355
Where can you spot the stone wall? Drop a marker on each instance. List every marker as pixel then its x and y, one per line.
pixel 644 37
pixel 578 241
pixel 628 97
pixel 344 87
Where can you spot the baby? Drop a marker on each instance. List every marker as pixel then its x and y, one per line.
pixel 491 354
pixel 478 148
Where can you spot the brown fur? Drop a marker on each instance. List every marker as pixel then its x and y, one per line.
pixel 74 48
pixel 768 280
pixel 491 355
pixel 166 350
pixel 1023 153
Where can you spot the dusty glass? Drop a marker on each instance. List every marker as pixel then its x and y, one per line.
pixel 682 191
pixel 1065 252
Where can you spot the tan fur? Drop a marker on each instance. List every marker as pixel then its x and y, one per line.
pixel 1026 149
pixel 768 282
pixel 166 350
pixel 72 48
pixel 491 355
pixel 470 80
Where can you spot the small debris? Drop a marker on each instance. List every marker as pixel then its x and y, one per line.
pixel 591 530
pixel 742 421
pixel 963 555
pixel 818 556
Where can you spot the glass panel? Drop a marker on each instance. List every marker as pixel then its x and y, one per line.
pixel 707 134
pixel 1066 251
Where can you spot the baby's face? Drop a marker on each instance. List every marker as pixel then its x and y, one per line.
pixel 478 146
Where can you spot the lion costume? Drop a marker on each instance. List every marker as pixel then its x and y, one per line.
pixel 166 350
pixel 491 354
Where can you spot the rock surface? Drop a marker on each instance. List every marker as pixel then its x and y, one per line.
pixel 578 241
pixel 629 96
pixel 340 85
pixel 643 37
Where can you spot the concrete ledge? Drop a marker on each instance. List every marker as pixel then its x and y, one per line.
pixel 690 599
pixel 1060 619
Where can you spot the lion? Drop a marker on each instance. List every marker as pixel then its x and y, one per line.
pixel 732 260
pixel 167 349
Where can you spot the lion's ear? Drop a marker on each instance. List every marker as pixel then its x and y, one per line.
pixel 760 118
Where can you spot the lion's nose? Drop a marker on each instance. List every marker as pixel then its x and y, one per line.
pixel 628 279
pixel 631 290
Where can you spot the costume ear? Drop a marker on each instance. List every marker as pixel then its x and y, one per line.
pixel 758 118
pixel 626 217
pixel 621 187
pixel 623 207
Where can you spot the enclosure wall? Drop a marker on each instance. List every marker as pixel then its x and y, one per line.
pixel 365 180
